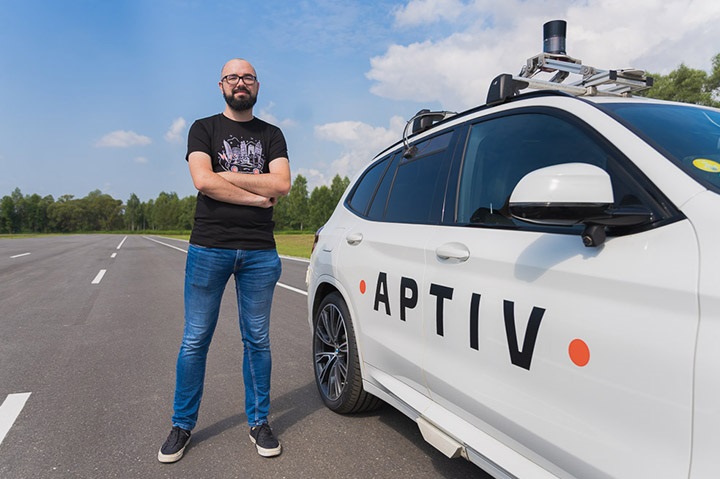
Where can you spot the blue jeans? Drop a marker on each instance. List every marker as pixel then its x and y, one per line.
pixel 207 272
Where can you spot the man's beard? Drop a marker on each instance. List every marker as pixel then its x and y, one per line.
pixel 240 104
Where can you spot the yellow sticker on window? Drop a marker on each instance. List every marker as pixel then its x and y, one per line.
pixel 706 165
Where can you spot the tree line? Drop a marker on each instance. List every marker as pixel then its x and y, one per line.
pixel 99 212
pixel 688 85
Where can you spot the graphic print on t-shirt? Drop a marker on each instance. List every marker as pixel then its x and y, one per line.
pixel 243 156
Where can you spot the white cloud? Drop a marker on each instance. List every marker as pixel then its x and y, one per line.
pixel 176 133
pixel 122 139
pixel 428 11
pixel 457 69
pixel 360 142
pixel 267 116
pixel 140 160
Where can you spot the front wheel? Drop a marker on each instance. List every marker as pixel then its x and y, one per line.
pixel 336 361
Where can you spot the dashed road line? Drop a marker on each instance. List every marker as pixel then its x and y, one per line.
pixel 10 410
pixel 121 243
pixel 99 276
pixel 19 255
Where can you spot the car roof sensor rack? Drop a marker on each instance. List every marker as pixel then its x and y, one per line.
pixel 554 60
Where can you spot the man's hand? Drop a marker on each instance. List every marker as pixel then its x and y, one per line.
pixel 267 202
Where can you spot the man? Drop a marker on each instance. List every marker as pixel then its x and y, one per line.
pixel 239 165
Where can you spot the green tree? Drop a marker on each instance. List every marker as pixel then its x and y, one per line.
pixel 187 213
pixel 14 209
pixel 321 206
pixel 102 212
pixel 338 187
pixel 67 215
pixel 291 211
pixel 167 210
pixel 35 216
pixel 688 85
pixel 133 213
pixel 149 215
pixel 9 220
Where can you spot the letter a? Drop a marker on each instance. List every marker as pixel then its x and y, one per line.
pixel 381 294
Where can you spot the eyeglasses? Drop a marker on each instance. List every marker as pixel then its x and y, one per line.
pixel 235 79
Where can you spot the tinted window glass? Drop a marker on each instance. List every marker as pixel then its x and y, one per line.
pixel 688 135
pixel 377 208
pixel 419 184
pixel 366 186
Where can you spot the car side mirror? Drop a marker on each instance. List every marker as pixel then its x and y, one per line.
pixel 571 194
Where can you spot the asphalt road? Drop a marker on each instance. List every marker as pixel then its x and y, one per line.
pixel 96 351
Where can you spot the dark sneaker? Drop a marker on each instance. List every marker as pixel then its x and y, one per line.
pixel 264 439
pixel 174 447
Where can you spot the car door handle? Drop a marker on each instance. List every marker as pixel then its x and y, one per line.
pixel 354 238
pixel 454 251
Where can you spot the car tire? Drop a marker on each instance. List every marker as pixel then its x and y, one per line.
pixel 335 359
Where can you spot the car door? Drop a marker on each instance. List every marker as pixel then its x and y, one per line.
pixel 382 260
pixel 582 358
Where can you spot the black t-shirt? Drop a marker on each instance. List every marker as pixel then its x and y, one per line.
pixel 244 147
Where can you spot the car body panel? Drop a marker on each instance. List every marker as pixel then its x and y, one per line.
pixel 389 344
pixel 638 321
pixel 706 440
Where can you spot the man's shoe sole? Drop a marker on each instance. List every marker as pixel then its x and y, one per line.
pixel 267 452
pixel 170 458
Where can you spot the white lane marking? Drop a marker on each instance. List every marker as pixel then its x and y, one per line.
pixel 99 276
pixel 121 243
pixel 294 258
pixel 299 291
pixel 10 410
pixel 113 255
pixel 165 244
pixel 19 255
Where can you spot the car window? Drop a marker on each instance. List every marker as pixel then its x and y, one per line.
pixel 418 187
pixel 501 150
pixel 688 135
pixel 379 201
pixel 362 194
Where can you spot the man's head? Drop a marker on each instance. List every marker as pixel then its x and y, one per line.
pixel 239 85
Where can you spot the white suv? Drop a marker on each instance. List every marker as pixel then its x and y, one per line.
pixel 536 282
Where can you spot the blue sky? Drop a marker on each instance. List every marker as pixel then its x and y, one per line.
pixel 100 94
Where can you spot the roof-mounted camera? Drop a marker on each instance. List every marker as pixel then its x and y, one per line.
pixel 423 120
pixel 554 59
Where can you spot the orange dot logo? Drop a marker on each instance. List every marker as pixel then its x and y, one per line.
pixel 579 352
pixel 363 286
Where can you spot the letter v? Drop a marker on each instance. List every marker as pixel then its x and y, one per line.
pixel 524 357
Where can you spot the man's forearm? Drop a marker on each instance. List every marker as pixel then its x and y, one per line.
pixel 273 184
pixel 238 196
pixel 221 190
pixel 263 185
pixel 217 187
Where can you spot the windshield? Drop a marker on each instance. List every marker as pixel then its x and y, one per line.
pixel 687 135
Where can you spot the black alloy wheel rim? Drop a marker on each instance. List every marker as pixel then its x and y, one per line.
pixel 331 352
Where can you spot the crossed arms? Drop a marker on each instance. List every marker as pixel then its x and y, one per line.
pixel 238 188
